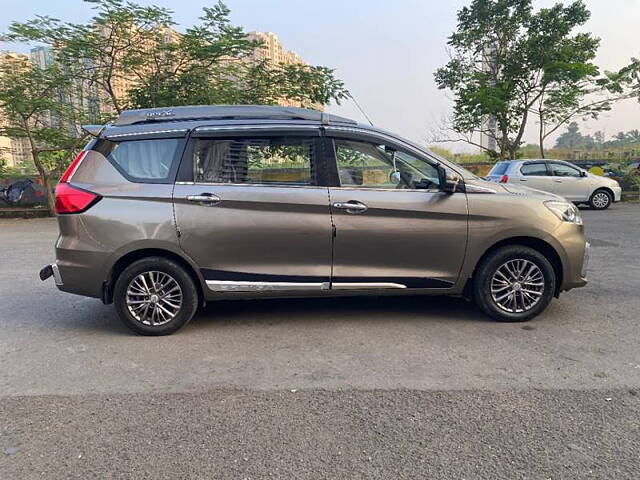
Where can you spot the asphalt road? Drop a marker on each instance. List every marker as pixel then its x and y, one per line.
pixel 332 388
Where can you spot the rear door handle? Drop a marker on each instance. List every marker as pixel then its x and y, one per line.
pixel 557 181
pixel 523 179
pixel 206 199
pixel 351 206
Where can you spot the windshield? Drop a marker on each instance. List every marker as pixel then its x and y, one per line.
pixel 499 168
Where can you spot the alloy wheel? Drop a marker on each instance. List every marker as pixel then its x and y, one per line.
pixel 154 298
pixel 600 200
pixel 517 285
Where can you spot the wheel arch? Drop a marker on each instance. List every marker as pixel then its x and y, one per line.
pixel 606 189
pixel 538 244
pixel 125 260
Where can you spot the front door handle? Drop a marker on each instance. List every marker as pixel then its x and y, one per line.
pixel 557 181
pixel 351 206
pixel 206 199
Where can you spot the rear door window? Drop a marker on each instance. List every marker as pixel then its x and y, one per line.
pixel 145 161
pixel 260 160
pixel 538 169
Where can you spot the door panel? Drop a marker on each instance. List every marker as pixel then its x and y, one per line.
pixel 535 175
pixel 412 239
pixel 394 227
pixel 255 218
pixel 257 235
pixel 569 183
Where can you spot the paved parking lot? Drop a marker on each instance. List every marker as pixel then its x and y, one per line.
pixel 332 388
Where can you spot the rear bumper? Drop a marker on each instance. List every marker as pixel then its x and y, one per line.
pixel 51 271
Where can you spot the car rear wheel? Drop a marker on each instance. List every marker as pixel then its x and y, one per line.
pixel 155 296
pixel 514 284
pixel 600 200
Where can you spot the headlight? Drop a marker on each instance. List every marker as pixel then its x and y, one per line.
pixel 565 211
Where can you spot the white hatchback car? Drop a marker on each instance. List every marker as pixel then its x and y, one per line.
pixel 561 178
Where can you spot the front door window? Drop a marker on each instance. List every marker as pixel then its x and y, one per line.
pixel 371 165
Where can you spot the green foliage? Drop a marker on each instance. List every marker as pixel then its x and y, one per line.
pixel 573 139
pixel 209 63
pixel 510 62
pixel 31 106
pixel 3 167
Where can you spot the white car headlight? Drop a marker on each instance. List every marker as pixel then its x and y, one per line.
pixel 565 211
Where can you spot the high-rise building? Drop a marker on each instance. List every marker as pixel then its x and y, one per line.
pixel 42 56
pixel 489 126
pixel 274 52
pixel 14 150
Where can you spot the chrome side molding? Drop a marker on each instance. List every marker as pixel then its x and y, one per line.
pixel 239 286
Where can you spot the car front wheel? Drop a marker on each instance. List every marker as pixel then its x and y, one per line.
pixel 600 200
pixel 514 284
pixel 155 296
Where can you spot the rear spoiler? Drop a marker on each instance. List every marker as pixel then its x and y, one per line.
pixel 93 130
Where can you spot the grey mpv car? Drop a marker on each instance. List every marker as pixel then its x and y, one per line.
pixel 167 209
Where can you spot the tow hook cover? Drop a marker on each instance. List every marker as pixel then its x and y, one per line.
pixel 46 272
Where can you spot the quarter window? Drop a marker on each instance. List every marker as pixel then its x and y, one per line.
pixel 370 165
pixel 145 160
pixel 267 160
pixel 534 169
pixel 562 170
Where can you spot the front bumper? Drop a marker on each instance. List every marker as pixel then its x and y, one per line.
pixel 585 261
pixel 617 193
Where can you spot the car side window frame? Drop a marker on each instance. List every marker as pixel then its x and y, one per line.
pixel 332 161
pixel 543 163
pixel 187 174
pixel 105 145
pixel 553 174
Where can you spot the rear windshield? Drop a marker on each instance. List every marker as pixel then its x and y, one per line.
pixel 499 168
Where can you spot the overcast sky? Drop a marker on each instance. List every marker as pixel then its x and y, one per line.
pixel 385 50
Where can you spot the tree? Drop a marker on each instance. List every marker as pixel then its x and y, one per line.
pixel 3 167
pixel 136 47
pixel 573 139
pixel 509 62
pixel 30 102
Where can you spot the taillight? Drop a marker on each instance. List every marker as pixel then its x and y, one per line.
pixel 66 176
pixel 70 199
pixel 504 179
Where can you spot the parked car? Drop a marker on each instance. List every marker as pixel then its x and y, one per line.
pixel 560 178
pixel 170 208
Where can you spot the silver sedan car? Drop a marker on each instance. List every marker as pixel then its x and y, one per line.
pixel 561 178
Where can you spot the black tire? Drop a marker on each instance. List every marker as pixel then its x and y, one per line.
pixel 487 269
pixel 188 291
pixel 600 200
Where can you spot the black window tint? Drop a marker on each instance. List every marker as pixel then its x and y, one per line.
pixel 145 160
pixel 534 169
pixel 499 168
pixel 277 160
pixel 562 170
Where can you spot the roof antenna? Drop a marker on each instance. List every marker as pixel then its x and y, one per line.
pixel 360 108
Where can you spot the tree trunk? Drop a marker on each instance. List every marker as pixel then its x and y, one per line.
pixel 541 133
pixel 51 198
pixel 42 171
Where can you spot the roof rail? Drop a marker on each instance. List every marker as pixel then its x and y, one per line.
pixel 226 112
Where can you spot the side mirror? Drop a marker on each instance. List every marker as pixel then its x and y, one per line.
pixel 448 180
pixel 583 173
pixel 395 178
